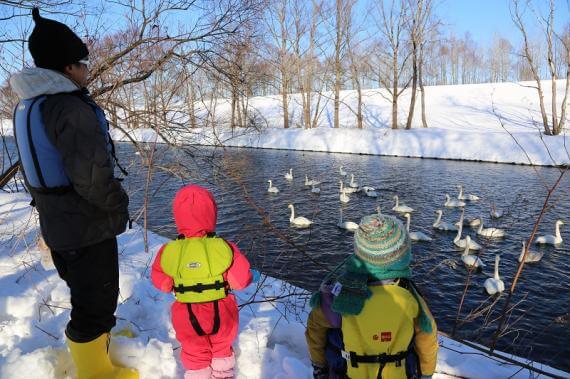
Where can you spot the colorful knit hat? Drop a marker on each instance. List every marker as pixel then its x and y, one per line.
pixel 381 241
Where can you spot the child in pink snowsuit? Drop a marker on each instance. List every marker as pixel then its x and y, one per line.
pixel 205 330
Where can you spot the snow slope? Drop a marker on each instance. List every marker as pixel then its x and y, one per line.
pixel 34 308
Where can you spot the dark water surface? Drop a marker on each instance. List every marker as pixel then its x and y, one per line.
pixel 238 177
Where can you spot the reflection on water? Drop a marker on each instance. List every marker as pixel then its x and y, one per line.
pixel 238 178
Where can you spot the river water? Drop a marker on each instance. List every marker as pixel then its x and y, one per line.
pixel 538 327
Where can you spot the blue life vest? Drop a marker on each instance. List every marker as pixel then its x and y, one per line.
pixel 41 162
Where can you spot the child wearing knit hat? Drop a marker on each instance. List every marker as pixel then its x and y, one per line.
pixel 368 319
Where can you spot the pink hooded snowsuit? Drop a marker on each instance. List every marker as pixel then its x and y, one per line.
pixel 195 214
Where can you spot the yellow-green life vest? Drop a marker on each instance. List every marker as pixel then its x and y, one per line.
pixel 385 326
pixel 197 266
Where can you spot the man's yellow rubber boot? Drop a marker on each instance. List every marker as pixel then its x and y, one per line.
pixel 92 360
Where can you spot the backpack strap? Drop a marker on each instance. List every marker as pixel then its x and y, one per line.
pixel 196 324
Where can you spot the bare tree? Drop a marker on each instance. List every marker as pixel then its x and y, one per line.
pixel 517 12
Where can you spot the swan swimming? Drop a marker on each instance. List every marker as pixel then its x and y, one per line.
pixel 343 196
pixel 495 285
pixel 452 203
pixel 468 197
pixel 531 256
pixel 552 239
pixel 289 175
pixel 348 225
pixel 272 189
pixel 490 232
pixel 341 171
pixel 369 191
pixel 442 225
pixel 415 236
pixel 315 189
pixel 462 243
pixel 298 221
pixel 468 259
pixel 309 183
pixel 352 183
pixel 402 208
pixel 496 213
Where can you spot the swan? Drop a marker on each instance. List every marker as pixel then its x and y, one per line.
pixel 453 203
pixel 298 221
pixel 289 175
pixel 531 256
pixel 341 171
pixel 462 243
pixel 272 189
pixel 415 236
pixel 550 239
pixel 309 183
pixel 343 196
pixel 496 213
pixel 352 183
pixel 468 259
pixel 490 232
pixel 378 210
pixel 348 225
pixel 370 191
pixel 401 208
pixel 495 284
pixel 315 189
pixel 467 197
pixel 442 225
pixel 350 190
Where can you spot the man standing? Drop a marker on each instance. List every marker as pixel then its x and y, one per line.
pixel 67 158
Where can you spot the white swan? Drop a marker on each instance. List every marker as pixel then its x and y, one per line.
pixel 490 232
pixel 289 175
pixel 315 189
pixel 401 208
pixel 415 236
pixel 352 183
pixel 309 183
pixel 343 196
pixel 442 225
pixel 462 243
pixel 348 225
pixel 341 171
pixel 468 197
pixel 531 256
pixel 272 189
pixel 550 239
pixel 350 190
pixel 495 284
pixel 298 221
pixel 369 191
pixel 468 259
pixel 449 203
pixel 496 213
pixel 378 210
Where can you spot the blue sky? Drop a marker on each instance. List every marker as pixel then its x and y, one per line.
pixel 485 18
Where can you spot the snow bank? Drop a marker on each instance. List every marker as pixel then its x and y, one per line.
pixel 35 306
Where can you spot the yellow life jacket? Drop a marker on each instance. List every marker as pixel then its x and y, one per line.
pixel 197 266
pixel 377 340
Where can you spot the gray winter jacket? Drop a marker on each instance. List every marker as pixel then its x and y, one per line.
pixel 96 208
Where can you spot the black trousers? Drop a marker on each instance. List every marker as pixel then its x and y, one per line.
pixel 92 275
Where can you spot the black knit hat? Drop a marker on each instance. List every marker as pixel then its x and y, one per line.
pixel 53 45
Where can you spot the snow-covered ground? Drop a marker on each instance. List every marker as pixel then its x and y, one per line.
pixel 34 308
pixel 462 125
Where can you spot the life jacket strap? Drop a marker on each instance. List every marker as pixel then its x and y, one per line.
pixel 200 287
pixel 196 324
pixel 381 359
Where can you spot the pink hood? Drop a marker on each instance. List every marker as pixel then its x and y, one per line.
pixel 195 211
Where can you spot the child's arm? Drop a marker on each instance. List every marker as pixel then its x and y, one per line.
pixel 159 279
pixel 426 344
pixel 238 275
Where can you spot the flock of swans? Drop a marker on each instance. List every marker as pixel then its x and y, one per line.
pixel 493 285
